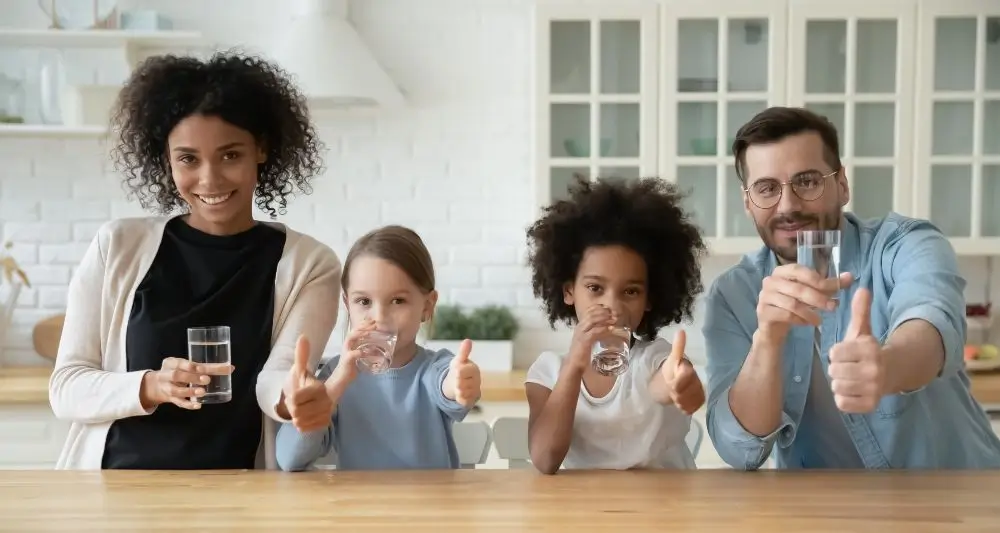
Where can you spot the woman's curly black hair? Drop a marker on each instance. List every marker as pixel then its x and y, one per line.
pixel 644 215
pixel 245 91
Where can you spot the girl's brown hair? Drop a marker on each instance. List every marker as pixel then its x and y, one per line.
pixel 398 245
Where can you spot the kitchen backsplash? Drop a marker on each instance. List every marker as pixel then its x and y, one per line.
pixel 456 164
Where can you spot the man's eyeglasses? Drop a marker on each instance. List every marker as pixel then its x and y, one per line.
pixel 766 193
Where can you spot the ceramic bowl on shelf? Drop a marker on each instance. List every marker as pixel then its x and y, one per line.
pixel 576 148
pixel 80 14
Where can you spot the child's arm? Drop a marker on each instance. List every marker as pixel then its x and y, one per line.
pixel 552 408
pixel 674 380
pixel 297 451
pixel 463 383
pixel 435 380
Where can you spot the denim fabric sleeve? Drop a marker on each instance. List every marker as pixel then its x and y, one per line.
pixel 433 379
pixel 727 345
pixel 927 285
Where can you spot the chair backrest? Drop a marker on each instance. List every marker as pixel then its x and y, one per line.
pixel 473 441
pixel 510 437
pixel 694 437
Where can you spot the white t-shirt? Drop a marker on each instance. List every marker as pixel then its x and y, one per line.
pixel 627 428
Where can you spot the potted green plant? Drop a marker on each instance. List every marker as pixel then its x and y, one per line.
pixel 491 328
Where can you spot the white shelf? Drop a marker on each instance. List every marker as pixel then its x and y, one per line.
pixel 98 38
pixel 53 131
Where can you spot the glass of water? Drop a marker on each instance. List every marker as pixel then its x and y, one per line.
pixel 210 347
pixel 820 251
pixel 376 350
pixel 610 353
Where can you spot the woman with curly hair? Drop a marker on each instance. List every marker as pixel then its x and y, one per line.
pixel 614 250
pixel 200 142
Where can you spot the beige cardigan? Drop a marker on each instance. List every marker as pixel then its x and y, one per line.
pixel 89 385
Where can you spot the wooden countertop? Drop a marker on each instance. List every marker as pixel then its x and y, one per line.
pixel 30 385
pixel 499 500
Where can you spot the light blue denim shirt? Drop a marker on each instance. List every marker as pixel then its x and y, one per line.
pixel 912 271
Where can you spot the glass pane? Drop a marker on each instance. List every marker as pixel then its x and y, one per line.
pixel 951 196
pixel 874 130
pixel 619 130
pixel 993 54
pixel 955 54
pixel 748 51
pixel 570 130
pixel 738 114
pixel 569 65
pixel 991 127
pixel 835 114
pixel 560 179
pixel 738 222
pixel 826 57
pixel 876 61
pixel 696 128
pixel 700 185
pixel 629 173
pixel 952 126
pixel 871 191
pixel 698 55
pixel 990 201
pixel 620 56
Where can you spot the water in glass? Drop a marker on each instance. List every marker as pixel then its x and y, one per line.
pixel 376 351
pixel 610 354
pixel 211 347
pixel 820 251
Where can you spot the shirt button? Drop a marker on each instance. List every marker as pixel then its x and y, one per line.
pixel 798 379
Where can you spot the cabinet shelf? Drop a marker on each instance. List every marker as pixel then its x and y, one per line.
pixel 98 38
pixel 51 131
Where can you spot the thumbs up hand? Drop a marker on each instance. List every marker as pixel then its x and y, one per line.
pixel 304 397
pixel 683 385
pixel 463 383
pixel 857 365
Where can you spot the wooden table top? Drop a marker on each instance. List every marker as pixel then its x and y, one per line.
pixel 30 385
pixel 500 500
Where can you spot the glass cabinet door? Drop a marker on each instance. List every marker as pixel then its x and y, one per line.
pixel 722 64
pixel 852 62
pixel 959 138
pixel 596 85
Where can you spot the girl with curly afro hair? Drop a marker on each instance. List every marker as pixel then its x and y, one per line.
pixel 200 142
pixel 616 253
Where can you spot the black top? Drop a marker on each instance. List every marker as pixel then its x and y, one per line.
pixel 198 280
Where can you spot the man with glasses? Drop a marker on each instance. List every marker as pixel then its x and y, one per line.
pixel 864 371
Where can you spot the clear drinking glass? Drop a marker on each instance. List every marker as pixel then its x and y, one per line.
pixel 376 349
pixel 610 353
pixel 210 347
pixel 820 251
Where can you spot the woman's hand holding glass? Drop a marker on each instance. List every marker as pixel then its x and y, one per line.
pixel 178 381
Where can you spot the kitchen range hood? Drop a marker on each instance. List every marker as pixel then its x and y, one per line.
pixel 332 65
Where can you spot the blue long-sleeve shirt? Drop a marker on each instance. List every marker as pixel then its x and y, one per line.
pixel 912 271
pixel 396 420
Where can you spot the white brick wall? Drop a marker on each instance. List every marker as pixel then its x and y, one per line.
pixel 455 165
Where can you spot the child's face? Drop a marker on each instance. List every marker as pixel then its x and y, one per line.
pixel 382 291
pixel 613 276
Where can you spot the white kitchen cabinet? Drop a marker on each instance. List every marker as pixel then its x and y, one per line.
pixel 958 126
pixel 853 62
pixel 912 86
pixel 720 64
pixel 30 437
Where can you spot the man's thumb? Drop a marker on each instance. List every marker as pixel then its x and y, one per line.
pixel 861 314
pixel 677 352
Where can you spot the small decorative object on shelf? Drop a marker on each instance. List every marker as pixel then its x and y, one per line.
pixel 77 14
pixel 13 279
pixel 12 100
pixel 491 328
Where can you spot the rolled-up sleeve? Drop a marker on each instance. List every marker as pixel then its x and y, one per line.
pixel 927 286
pixel 727 345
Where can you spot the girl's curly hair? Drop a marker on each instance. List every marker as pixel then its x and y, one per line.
pixel 644 215
pixel 245 91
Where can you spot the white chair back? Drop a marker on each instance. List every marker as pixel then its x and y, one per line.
pixel 510 437
pixel 694 437
pixel 472 440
